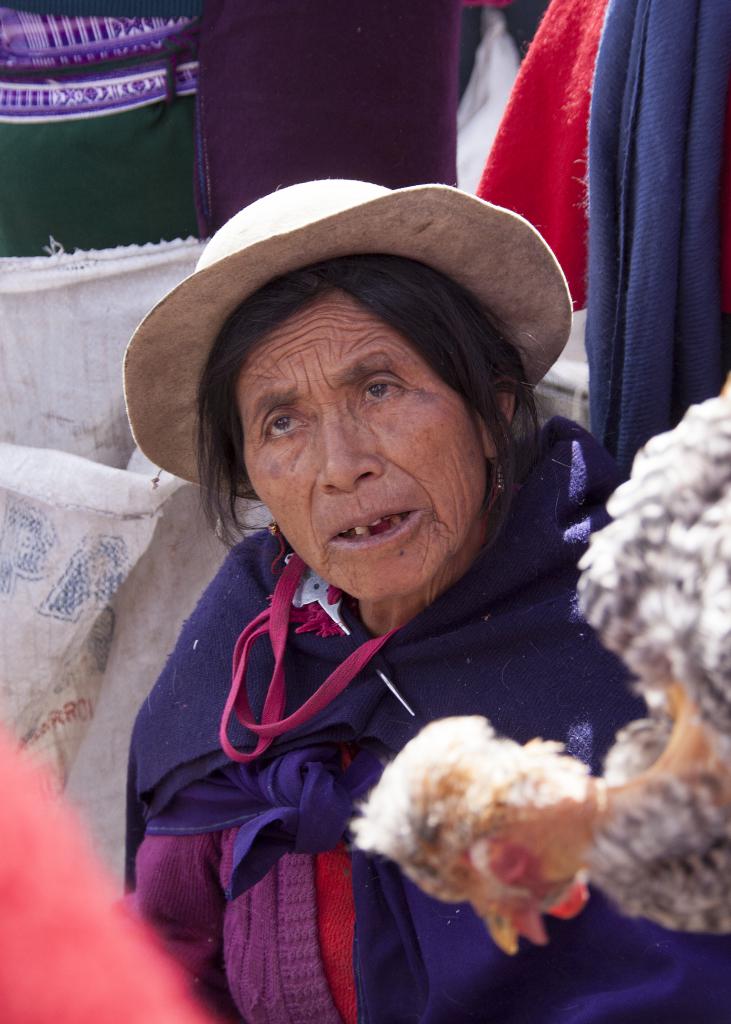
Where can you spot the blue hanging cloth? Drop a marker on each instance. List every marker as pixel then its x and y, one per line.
pixel 656 143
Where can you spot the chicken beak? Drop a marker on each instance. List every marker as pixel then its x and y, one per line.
pixel 525 923
pixel 503 933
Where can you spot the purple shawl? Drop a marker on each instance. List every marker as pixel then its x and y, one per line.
pixel 505 641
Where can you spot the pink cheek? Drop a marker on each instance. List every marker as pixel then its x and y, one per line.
pixel 420 446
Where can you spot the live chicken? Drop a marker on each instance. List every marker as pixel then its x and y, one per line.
pixel 519 831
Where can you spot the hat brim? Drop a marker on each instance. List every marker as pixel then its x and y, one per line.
pixel 495 254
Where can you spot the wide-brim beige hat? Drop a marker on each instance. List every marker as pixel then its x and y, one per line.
pixel 495 254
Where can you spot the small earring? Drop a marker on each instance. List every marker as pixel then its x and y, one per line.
pixel 276 532
pixel 499 480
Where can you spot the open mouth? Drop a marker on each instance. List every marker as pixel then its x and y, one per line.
pixel 386 524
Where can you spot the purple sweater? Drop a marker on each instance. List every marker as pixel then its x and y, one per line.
pixel 257 956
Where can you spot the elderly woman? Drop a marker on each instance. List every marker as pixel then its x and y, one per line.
pixel 362 362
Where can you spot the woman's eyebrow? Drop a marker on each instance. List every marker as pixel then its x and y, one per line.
pixel 269 400
pixel 373 363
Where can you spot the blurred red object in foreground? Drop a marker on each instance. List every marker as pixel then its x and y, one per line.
pixel 69 952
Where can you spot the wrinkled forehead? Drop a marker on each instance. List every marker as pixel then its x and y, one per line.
pixel 331 340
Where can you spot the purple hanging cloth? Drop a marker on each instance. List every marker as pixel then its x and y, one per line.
pixel 290 92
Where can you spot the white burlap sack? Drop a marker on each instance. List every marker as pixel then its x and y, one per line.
pixel 64 323
pixel 98 570
pixel 98 567
pixel 150 607
pixel 71 532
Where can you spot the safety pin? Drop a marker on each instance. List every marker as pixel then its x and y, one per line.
pixel 395 692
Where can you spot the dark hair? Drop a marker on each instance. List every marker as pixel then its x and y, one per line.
pixel 460 340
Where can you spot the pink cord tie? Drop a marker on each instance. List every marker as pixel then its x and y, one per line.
pixel 275 621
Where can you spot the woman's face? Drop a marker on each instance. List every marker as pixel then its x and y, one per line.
pixel 372 466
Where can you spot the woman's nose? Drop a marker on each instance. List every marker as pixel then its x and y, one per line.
pixel 347 454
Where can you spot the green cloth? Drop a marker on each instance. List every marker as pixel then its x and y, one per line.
pixel 98 182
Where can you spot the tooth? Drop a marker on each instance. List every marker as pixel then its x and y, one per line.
pixel 395 520
pixel 376 522
pixel 359 530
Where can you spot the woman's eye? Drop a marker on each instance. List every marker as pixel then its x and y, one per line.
pixel 280 425
pixel 378 389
